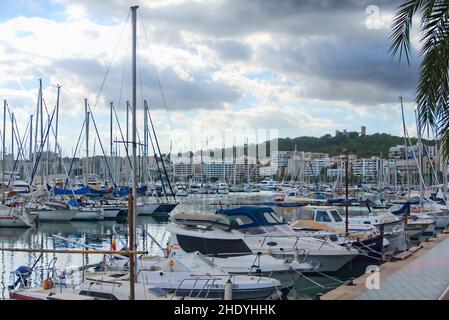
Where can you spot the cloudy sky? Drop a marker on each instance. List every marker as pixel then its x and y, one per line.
pixel 293 67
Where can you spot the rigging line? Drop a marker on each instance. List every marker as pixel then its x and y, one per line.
pixel 121 85
pixel 74 154
pixel 16 136
pixel 128 41
pixel 111 61
pixel 160 154
pixel 121 134
pixel 36 165
pixel 142 147
pixel 157 162
pixel 57 145
pixel 20 143
pixel 155 71
pixel 101 146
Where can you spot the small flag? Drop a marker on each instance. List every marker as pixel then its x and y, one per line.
pixel 113 245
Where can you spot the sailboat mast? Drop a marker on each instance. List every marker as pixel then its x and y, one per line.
pixel 11 177
pixel 87 143
pixel 4 152
pixel 110 135
pixel 56 167
pixel 145 140
pixel 132 212
pixel 41 103
pixel 405 150
pixel 420 150
pixel 31 139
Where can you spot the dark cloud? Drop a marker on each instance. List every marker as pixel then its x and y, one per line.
pixel 322 44
pixel 361 72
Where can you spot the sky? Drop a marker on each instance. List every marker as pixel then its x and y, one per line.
pixel 214 72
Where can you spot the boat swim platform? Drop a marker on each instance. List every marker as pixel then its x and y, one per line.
pixel 420 275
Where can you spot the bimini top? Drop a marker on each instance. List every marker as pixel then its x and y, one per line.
pixel 251 216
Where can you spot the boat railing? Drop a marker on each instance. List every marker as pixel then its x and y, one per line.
pixel 297 238
pixel 48 272
pixel 208 282
pixel 101 282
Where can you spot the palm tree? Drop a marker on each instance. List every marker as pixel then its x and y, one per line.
pixel 433 88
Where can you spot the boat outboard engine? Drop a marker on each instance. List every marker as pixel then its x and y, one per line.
pixel 22 273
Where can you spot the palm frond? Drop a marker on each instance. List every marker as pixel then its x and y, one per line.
pixel 402 24
pixel 432 94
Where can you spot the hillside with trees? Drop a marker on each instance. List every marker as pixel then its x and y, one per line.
pixel 363 146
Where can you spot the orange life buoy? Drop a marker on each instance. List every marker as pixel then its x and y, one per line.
pixel 47 284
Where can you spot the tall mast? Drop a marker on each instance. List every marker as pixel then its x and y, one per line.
pixel 127 124
pixel 4 152
pixel 41 102
pixel 247 161
pixel 31 138
pixel 420 150
pixel 11 177
pixel 127 135
pixel 87 143
pixel 346 193
pixel 110 135
pixel 132 212
pixel 405 150
pixel 145 140
pixel 56 167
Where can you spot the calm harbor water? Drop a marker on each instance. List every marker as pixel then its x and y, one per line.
pixel 98 235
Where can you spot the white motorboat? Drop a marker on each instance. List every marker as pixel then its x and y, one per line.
pixel 267 185
pixel 185 274
pixel 98 286
pixel 383 222
pixel 234 257
pixel 222 188
pixel 250 234
pixel 181 193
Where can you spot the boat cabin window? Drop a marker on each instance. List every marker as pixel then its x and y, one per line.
pixel 306 215
pixel 272 217
pixel 241 219
pixel 253 231
pixel 322 216
pixel 207 246
pixel 336 216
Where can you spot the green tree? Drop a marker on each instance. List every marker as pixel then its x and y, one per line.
pixel 433 86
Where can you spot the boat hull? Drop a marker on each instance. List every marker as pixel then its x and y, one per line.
pixel 56 215
pixel 13 222
pixel 111 213
pixel 89 215
pixel 147 208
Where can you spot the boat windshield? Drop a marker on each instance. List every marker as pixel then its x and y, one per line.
pixel 278 230
pixel 242 220
pixel 336 216
pixel 195 262
pixel 253 231
pixel 272 217
pixel 322 216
